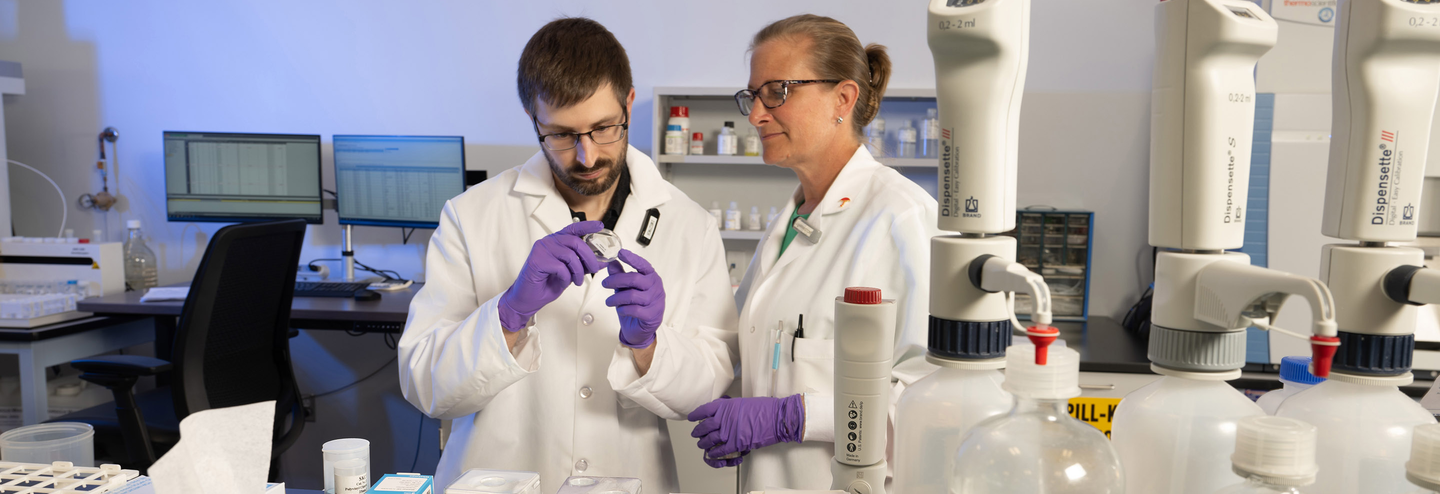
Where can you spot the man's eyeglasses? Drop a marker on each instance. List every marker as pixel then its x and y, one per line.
pixel 565 141
pixel 772 94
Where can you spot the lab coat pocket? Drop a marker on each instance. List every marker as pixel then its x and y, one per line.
pixel 814 370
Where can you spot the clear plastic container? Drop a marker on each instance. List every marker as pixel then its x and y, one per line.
pixel 1364 434
pixel 1423 468
pixel 605 244
pixel 906 138
pixel 1295 376
pixel 600 485
pixel 339 450
pixel 140 265
pixel 931 421
pixel 352 476
pixel 1037 448
pixel 495 482
pixel 1276 455
pixel 1175 435
pixel 47 443
pixel 930 134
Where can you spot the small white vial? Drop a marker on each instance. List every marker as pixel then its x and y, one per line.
pixel 755 222
pixel 726 143
pixel 674 140
pixel 770 220
pixel 697 143
pixel 718 213
pixel 732 217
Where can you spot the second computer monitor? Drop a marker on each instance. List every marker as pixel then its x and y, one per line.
pixel 400 181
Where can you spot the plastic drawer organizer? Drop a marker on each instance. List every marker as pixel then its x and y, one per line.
pixel 1056 244
pixel 61 477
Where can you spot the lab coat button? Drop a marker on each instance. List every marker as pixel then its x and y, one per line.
pixel 752 329
pixel 585 393
pixel 587 319
pixel 581 465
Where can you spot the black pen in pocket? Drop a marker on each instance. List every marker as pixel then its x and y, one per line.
pixel 799 333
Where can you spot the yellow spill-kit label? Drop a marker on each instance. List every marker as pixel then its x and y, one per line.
pixel 1099 412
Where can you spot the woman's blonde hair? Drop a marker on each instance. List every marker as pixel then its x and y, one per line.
pixel 835 53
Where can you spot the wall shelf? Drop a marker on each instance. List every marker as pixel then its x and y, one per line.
pixel 741 234
pixel 711 159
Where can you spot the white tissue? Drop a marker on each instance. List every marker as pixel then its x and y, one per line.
pixel 221 451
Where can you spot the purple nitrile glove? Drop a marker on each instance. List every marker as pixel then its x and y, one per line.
pixel 556 261
pixel 738 425
pixel 639 299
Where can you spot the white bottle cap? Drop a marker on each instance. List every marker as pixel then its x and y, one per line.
pixel 132 224
pixel 734 205
pixel 1058 379
pixel 754 209
pixel 714 204
pixel 1423 469
pixel 1279 449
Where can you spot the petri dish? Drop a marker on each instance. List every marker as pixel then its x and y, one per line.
pixel 605 244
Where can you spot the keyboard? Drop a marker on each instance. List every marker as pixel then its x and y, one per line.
pixel 327 289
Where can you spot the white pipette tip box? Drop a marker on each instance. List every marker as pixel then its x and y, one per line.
pixel 403 483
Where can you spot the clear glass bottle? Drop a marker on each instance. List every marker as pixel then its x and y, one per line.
pixel 1037 448
pixel 906 138
pixel 930 421
pixel 1295 376
pixel 1276 454
pixel 930 134
pixel 1423 469
pixel 751 143
pixel 875 136
pixel 1175 435
pixel 140 266
pixel 1364 431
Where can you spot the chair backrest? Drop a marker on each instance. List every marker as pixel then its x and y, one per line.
pixel 231 343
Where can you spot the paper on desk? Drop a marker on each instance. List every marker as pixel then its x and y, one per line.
pixel 165 294
pixel 221 451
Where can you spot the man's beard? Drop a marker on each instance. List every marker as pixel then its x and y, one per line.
pixel 595 186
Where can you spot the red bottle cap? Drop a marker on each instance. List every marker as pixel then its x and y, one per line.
pixel 698 136
pixel 862 296
pixel 84 240
pixel 1042 337
pixel 680 111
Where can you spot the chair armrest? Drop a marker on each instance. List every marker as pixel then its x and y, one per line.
pixel 123 365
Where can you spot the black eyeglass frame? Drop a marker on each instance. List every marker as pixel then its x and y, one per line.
pixel 624 130
pixel 784 93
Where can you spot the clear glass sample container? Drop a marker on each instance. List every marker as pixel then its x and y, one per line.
pixel 479 481
pixel 600 485
pixel 606 245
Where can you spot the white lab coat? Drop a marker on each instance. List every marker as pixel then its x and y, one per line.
pixel 875 228
pixel 570 402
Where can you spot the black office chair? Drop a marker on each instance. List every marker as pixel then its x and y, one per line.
pixel 231 348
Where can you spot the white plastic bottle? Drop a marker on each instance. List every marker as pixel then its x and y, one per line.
pixel 680 115
pixel 697 143
pixel 755 221
pixel 140 264
pixel 718 213
pixel 770 220
pixel 1037 448
pixel 726 144
pixel 1175 435
pixel 1364 432
pixel 933 415
pixel 732 217
pixel 906 138
pixel 1275 454
pixel 674 140
pixel 1296 377
pixel 875 136
pixel 930 134
pixel 1423 469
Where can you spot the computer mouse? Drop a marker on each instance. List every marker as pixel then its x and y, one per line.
pixel 366 295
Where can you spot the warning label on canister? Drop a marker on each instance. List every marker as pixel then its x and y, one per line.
pixel 1099 412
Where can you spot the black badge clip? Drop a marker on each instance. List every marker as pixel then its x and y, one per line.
pixel 647 228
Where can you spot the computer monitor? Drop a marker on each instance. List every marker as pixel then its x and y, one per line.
pixel 400 181
pixel 213 176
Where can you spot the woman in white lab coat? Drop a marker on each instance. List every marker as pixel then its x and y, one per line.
pixel 852 222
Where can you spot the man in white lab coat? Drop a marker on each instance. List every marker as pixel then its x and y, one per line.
pixel 547 358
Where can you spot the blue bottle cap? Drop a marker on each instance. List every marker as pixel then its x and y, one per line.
pixel 1297 370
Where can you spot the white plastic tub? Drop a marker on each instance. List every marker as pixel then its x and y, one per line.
pixel 46 443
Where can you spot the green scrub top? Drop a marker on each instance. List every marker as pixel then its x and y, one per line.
pixel 790 228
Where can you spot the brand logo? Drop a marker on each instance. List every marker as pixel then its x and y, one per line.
pixel 972 207
pixel 1409 212
pixel 947 199
pixel 1382 192
pixel 1327 14
pixel 944 133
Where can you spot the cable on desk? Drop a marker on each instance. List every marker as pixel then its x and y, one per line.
pixel 405 236
pixel 363 379
pixel 389 275
pixel 419 441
